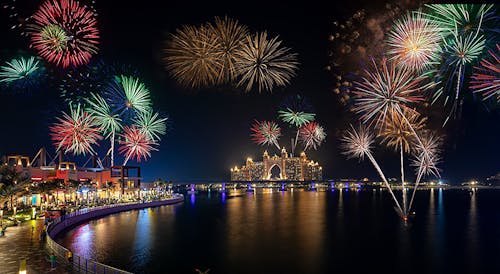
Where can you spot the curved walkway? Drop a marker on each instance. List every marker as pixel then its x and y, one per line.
pixel 23 241
pixel 19 243
pixel 88 265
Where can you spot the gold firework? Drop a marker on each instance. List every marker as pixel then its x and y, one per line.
pixel 396 132
pixel 231 35
pixel 193 56
pixel 264 63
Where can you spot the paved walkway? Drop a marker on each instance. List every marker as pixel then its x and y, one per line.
pixel 20 243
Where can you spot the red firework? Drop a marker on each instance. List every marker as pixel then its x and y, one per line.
pixel 64 32
pixel 311 135
pixel 75 132
pixel 266 133
pixel 486 78
pixel 135 144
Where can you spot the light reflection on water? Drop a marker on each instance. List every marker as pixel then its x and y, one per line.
pixel 295 231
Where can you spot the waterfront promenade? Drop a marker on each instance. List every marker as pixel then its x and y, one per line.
pixel 23 241
pixel 20 243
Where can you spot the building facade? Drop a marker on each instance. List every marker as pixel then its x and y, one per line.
pixel 278 168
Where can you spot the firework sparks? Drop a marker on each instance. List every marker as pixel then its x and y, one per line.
pixel 151 124
pixel 357 143
pixel 129 96
pixel 386 89
pixel 414 41
pixel 311 135
pixel 193 56
pixel 231 35
pixel 64 32
pixel 135 144
pixel 262 62
pixel 266 133
pixel 21 73
pixel 486 78
pixel 76 132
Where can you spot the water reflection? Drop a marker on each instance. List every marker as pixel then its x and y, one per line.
pixel 144 234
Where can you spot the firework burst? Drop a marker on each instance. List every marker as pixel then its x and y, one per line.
pixel 426 158
pixel 64 32
pixel 21 73
pixel 193 56
pixel 135 144
pixel 151 124
pixel 262 62
pixel 76 132
pixel 414 41
pixel 397 131
pixel 230 36
pixel 128 96
pixel 266 133
pixel 311 135
pixel 486 78
pixel 385 90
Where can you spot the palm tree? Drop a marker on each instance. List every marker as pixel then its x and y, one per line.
pixel 11 182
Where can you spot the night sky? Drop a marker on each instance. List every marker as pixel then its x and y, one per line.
pixel 210 127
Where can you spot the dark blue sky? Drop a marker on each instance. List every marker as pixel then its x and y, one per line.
pixel 210 128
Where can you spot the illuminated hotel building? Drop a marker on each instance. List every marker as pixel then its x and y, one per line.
pixel 278 168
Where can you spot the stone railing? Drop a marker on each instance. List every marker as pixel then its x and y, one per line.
pixel 86 265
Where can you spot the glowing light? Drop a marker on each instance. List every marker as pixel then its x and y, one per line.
pixel 266 133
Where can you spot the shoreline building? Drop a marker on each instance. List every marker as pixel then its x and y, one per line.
pixel 120 180
pixel 278 168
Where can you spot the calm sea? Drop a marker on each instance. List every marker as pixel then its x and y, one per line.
pixel 348 231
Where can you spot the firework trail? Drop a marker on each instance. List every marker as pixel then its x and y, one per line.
pixel 486 78
pixel 262 62
pixel 311 135
pixel 64 32
pixel 135 144
pixel 426 158
pixel 76 132
pixel 266 133
pixel 357 143
pixel 109 123
pixel 398 134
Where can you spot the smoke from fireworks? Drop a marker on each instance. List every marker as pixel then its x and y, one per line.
pixel 64 32
pixel 311 135
pixel 262 62
pixel 486 78
pixel 76 132
pixel 135 144
pixel 266 133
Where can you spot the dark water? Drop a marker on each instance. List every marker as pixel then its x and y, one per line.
pixel 301 232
